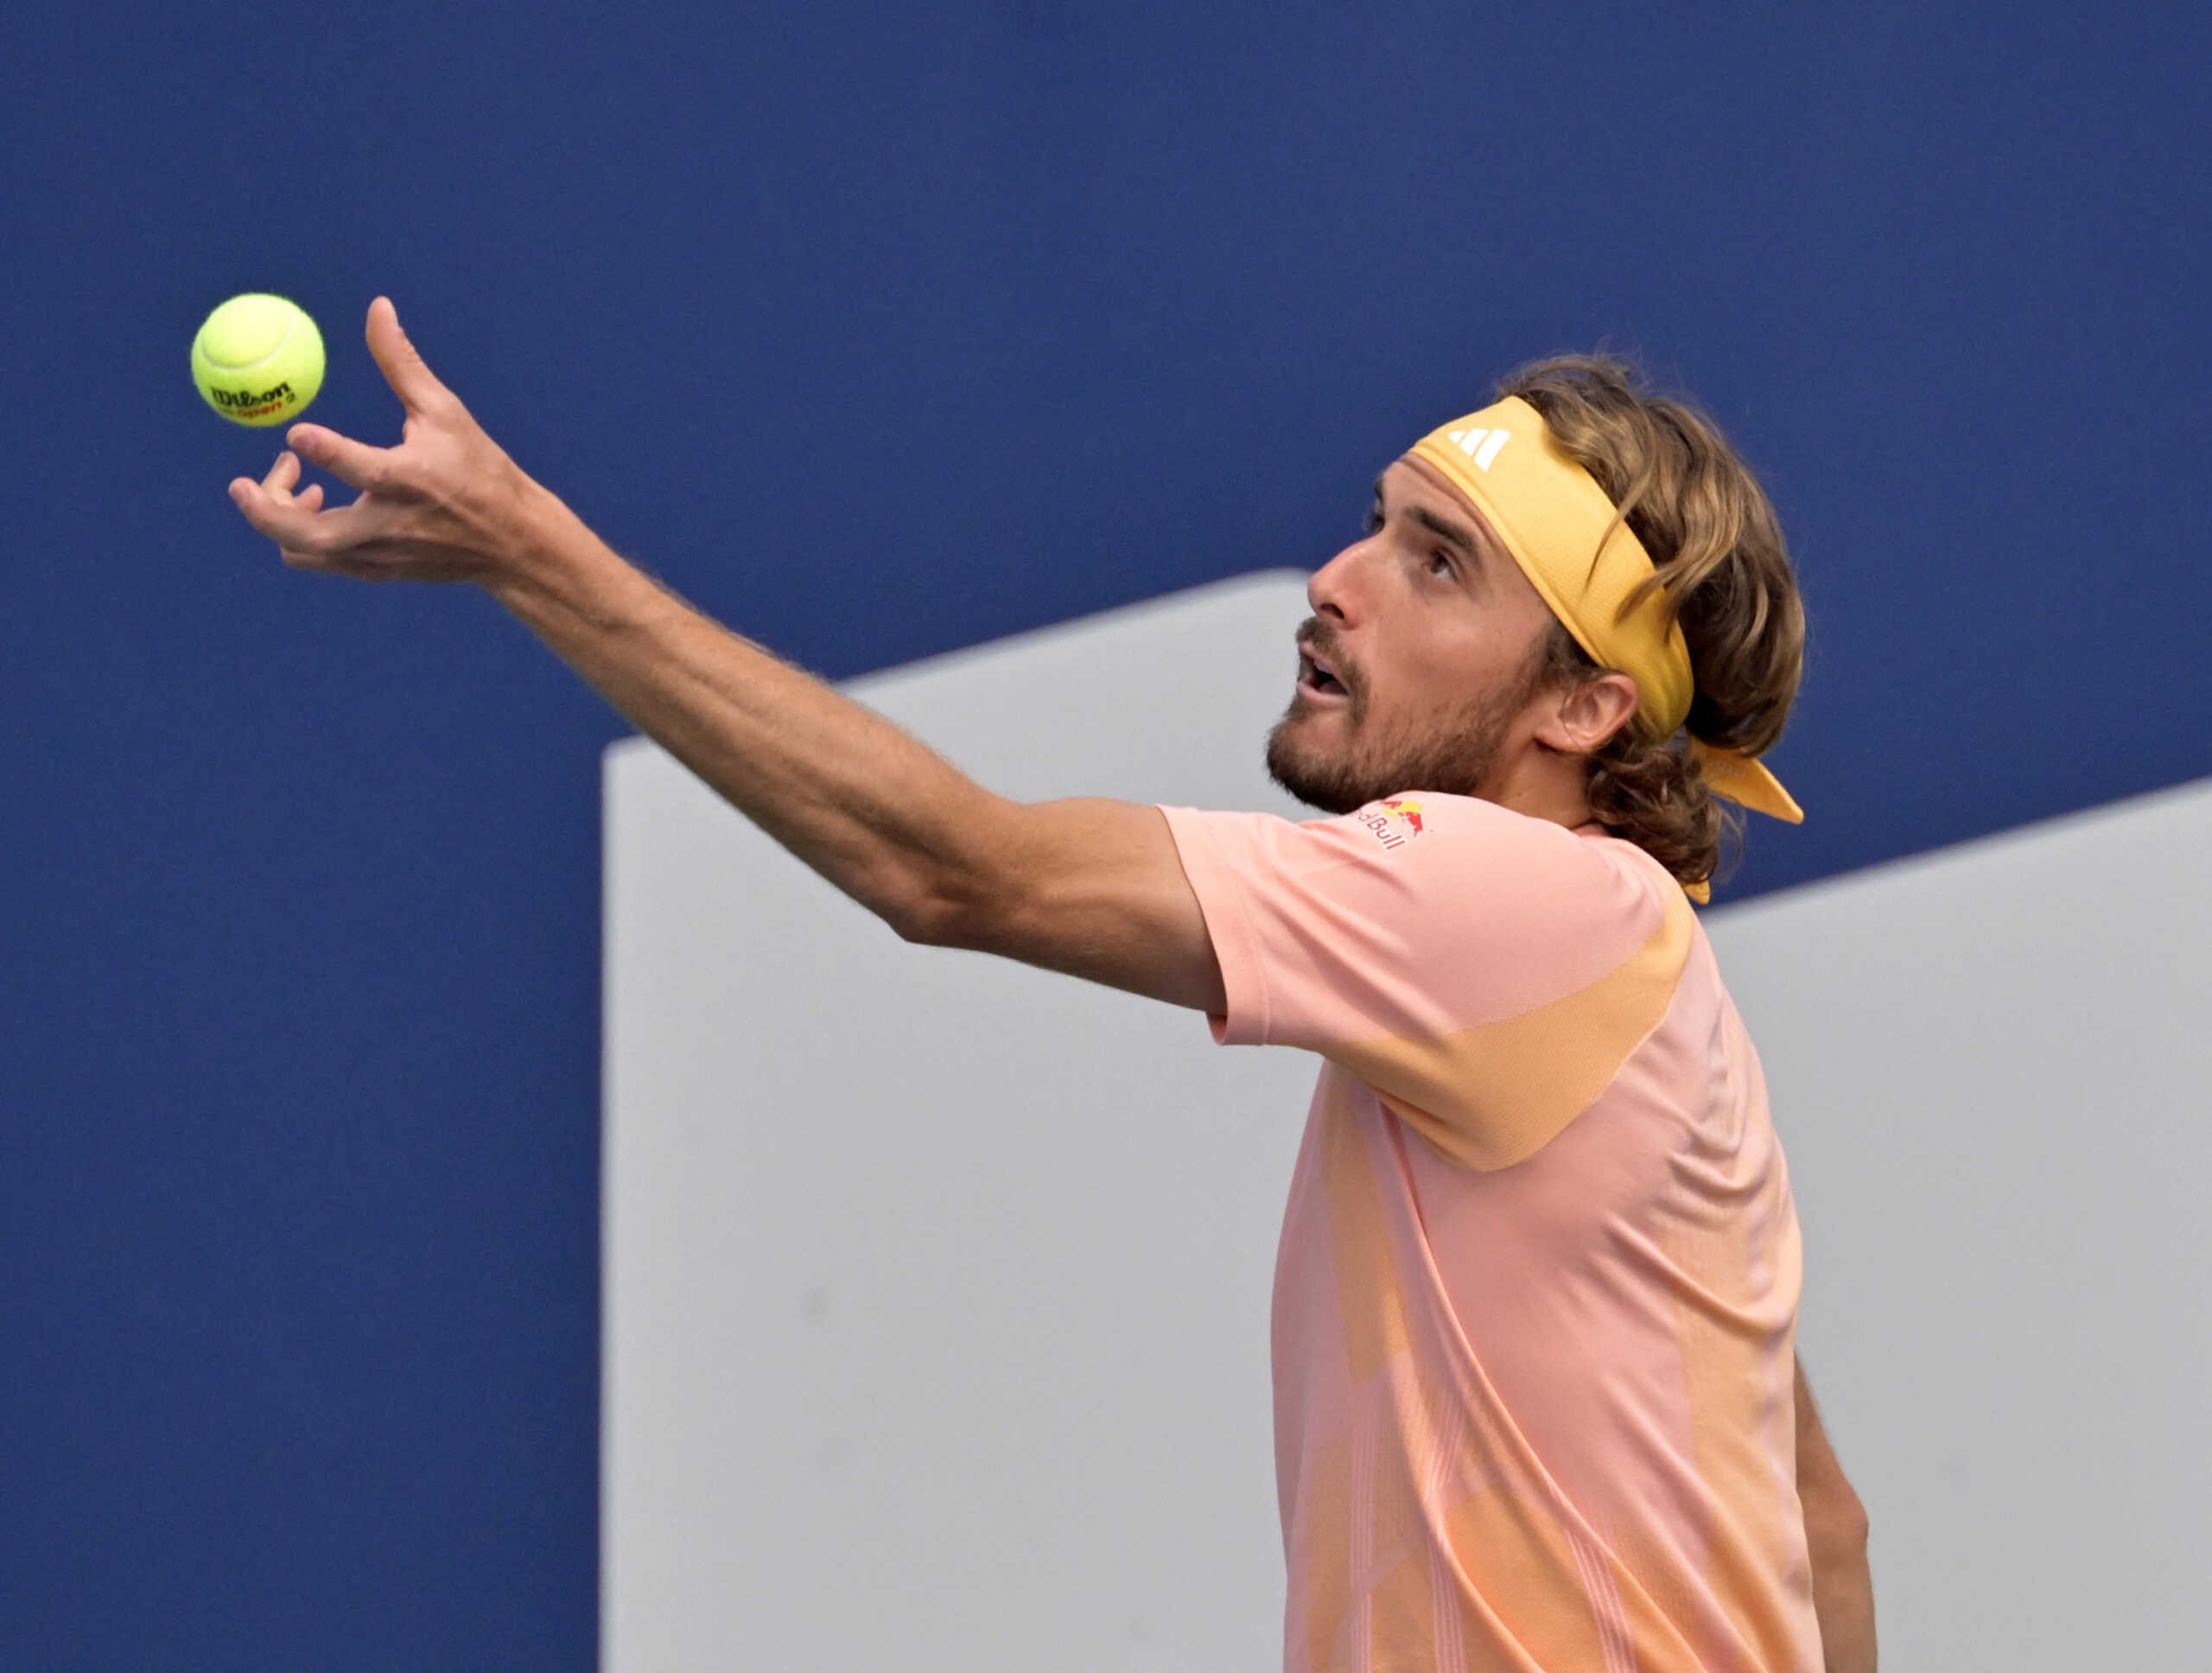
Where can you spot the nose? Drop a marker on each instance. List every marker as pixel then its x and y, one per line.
pixel 1333 590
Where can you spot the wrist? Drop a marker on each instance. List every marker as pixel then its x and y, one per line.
pixel 555 559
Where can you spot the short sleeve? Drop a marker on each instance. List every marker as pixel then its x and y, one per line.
pixel 1430 942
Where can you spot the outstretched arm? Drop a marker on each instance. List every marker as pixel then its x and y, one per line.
pixel 1091 887
pixel 1835 1532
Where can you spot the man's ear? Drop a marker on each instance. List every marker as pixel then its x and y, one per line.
pixel 1582 719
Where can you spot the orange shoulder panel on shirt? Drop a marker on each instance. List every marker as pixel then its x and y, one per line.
pixel 1494 1095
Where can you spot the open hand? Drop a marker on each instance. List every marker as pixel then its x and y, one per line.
pixel 447 504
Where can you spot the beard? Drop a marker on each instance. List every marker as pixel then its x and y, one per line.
pixel 1452 754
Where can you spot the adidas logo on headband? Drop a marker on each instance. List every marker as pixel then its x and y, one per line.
pixel 1481 445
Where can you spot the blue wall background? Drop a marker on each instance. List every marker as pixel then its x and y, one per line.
pixel 879 332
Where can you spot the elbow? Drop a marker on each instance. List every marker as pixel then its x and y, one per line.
pixel 920 924
pixel 1855 1526
pixel 927 917
pixel 915 916
pixel 946 907
pixel 1836 1523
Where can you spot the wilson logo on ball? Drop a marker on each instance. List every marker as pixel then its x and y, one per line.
pixel 240 398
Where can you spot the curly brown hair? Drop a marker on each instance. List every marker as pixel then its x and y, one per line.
pixel 1727 577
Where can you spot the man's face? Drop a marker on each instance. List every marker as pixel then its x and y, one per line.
pixel 1416 669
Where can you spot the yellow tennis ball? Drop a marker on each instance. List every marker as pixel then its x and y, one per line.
pixel 258 359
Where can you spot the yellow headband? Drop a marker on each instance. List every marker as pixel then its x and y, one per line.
pixel 1585 561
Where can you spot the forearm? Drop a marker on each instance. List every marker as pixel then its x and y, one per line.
pixel 1835 1538
pixel 885 819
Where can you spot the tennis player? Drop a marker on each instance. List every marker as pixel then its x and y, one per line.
pixel 1536 1399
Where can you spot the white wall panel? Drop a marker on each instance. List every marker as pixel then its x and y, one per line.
pixel 936 1287
pixel 1990 1070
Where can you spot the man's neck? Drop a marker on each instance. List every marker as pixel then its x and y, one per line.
pixel 1544 784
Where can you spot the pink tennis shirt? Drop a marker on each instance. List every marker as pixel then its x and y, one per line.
pixel 1535 1302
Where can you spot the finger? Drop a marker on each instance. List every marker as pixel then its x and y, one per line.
pixel 277 484
pixel 353 567
pixel 353 462
pixel 404 368
pixel 273 513
pixel 281 475
pixel 324 563
pixel 296 525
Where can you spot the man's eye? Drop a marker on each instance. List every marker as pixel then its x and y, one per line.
pixel 1442 558
pixel 1373 519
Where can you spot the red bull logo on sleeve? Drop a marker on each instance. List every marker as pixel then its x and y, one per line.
pixel 1394 822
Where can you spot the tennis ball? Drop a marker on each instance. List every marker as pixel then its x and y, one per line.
pixel 258 359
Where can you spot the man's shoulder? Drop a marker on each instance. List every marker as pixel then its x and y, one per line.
pixel 1579 874
pixel 1460 844
pixel 1475 818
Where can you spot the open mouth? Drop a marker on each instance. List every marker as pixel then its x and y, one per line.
pixel 1315 679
